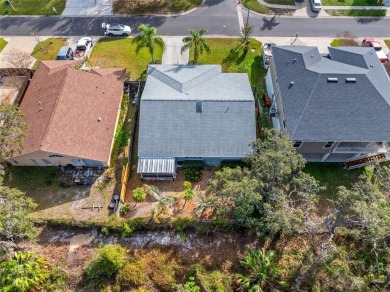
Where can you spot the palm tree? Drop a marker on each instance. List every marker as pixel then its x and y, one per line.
pixel 203 203
pixel 197 41
pixel 162 201
pixel 262 271
pixel 25 272
pixel 188 193
pixel 148 39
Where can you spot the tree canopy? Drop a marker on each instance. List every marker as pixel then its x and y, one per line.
pixel 274 194
pixel 12 131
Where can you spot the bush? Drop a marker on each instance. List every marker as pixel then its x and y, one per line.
pixel 193 163
pixel 110 259
pixel 124 209
pixel 193 174
pixel 127 229
pixel 233 164
pixel 105 231
pixel 132 274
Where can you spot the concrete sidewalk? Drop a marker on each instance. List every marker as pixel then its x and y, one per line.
pixel 303 8
pixel 172 54
pixel 24 44
pixel 88 7
pixel 322 43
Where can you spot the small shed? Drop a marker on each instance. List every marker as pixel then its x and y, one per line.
pixel 157 168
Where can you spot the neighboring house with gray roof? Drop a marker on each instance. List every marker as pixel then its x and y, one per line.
pixel 335 108
pixel 193 112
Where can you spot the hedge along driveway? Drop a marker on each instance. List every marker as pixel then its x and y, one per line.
pixel 121 53
pixel 33 7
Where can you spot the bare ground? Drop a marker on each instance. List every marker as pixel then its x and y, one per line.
pixel 73 249
pixel 168 188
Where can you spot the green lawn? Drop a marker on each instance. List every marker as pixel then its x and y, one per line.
pixel 355 12
pixel 332 175
pixel 352 2
pixel 27 178
pixel 226 51
pixel 387 42
pixel 120 53
pixel 47 49
pixel 257 7
pixel 344 42
pixel 281 2
pixel 3 43
pixel 139 7
pixel 32 7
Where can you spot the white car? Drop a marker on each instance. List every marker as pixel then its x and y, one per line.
pixel 116 29
pixel 316 5
pixel 84 47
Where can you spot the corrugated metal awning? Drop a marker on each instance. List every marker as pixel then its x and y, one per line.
pixel 156 165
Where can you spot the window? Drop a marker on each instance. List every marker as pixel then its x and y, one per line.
pixel 297 144
pixel 199 107
pixel 34 161
pixel 47 162
pixel 55 155
pixel 328 145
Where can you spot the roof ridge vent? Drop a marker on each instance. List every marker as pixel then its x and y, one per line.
pixel 350 79
pixel 333 79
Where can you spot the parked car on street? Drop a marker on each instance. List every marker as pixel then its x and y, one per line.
pixel 84 46
pixel 372 43
pixel 116 29
pixel 65 53
pixel 315 5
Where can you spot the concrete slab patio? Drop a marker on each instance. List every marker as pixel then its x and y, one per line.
pixel 87 7
pixel 172 53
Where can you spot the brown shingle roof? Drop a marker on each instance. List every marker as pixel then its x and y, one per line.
pixel 62 107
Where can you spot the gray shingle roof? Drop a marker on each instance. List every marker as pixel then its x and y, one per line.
pixel 170 125
pixel 318 110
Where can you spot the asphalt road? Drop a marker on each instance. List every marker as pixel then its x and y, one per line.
pixel 219 17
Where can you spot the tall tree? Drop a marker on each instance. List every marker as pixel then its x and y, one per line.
pixel 198 42
pixel 14 210
pixel 274 194
pixel 148 39
pixel 12 131
pixel 25 272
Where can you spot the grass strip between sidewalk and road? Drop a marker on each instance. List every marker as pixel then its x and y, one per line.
pixel 352 3
pixel 139 7
pixel 255 6
pixel 32 7
pixel 281 2
pixel 3 43
pixel 357 12
pixel 121 53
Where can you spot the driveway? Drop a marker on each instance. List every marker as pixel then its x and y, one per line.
pixel 24 44
pixel 88 7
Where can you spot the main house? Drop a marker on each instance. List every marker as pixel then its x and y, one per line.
pixel 335 108
pixel 193 112
pixel 71 115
